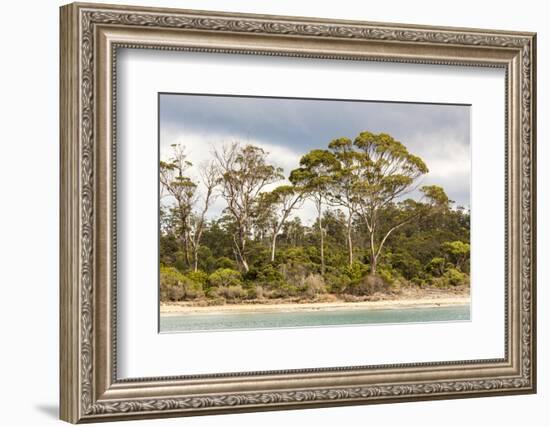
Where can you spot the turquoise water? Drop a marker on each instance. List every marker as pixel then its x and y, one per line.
pixel 281 319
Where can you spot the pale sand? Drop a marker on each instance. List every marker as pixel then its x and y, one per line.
pixel 432 301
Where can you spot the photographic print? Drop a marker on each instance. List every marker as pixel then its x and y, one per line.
pixel 294 212
pixel 297 192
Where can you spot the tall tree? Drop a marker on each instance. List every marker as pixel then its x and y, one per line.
pixel 344 184
pixel 181 189
pixel 209 180
pixel 278 205
pixel 315 176
pixel 244 173
pixel 387 173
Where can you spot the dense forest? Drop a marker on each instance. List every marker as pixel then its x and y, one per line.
pixel 376 228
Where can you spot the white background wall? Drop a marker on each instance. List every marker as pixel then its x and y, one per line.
pixel 29 170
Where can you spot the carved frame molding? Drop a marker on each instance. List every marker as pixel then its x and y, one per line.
pixel 90 36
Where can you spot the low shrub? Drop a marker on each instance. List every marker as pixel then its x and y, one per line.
pixel 268 277
pixel 296 255
pixel 255 292
pixel 224 277
pixel 387 274
pixel 436 267
pixel 295 273
pixel 234 292
pixel 455 277
pixel 198 276
pixel 224 262
pixel 357 271
pixel 215 300
pixel 337 281
pixel 284 291
pixel 314 284
pixel 451 277
pixel 368 285
pixel 175 286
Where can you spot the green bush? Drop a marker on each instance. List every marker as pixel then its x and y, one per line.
pixel 357 271
pixel 451 277
pixel 284 291
pixel 198 276
pixel 225 277
pixel 224 262
pixel 436 267
pixel 405 263
pixel 269 277
pixel 175 286
pixel 207 261
pixel 180 262
pixel 368 285
pixel 297 255
pixel 458 252
pixel 455 277
pixel 168 247
pixel 337 281
pixel 295 273
pixel 234 292
pixel 386 273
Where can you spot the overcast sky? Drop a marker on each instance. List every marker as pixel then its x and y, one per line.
pixel 289 128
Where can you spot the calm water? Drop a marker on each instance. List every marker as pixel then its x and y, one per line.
pixel 217 321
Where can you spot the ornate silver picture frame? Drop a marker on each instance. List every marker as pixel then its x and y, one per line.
pixel 91 36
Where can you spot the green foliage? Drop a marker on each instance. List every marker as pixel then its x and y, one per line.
pixel 198 276
pixel 224 277
pixel 180 263
pixel 436 195
pixel 458 252
pixel 368 285
pixel 168 248
pixel 256 292
pixel 356 272
pixel 436 267
pixel 298 255
pixel 315 170
pixel 408 266
pixel 387 273
pixel 224 263
pixel 267 276
pixel 337 281
pixel 455 277
pixel 358 188
pixel 451 278
pixel 233 292
pixel 175 286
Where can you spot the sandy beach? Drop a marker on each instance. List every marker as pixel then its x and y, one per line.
pixel 442 299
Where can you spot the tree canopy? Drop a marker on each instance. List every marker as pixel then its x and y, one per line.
pixel 375 226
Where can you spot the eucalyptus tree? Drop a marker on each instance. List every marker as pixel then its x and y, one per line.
pixel 209 180
pixel 182 190
pixel 387 172
pixel 344 186
pixel 277 205
pixel 244 175
pixel 315 176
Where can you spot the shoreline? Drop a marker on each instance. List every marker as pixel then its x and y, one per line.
pixel 174 309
